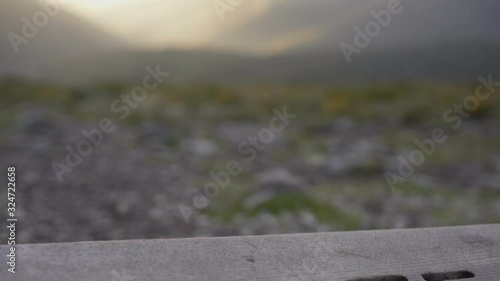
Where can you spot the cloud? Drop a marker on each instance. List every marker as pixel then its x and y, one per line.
pixel 162 24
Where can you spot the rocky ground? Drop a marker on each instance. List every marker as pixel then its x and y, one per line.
pixel 324 171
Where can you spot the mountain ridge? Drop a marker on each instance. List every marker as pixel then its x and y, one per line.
pixel 422 42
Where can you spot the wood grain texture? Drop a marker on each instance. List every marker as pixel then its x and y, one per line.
pixel 323 256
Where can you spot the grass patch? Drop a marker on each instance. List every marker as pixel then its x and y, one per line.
pixel 226 208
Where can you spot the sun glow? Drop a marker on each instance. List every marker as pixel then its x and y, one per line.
pixel 158 24
pixel 96 6
pixel 152 23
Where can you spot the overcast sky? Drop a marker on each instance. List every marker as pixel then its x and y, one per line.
pixel 166 23
pixel 269 27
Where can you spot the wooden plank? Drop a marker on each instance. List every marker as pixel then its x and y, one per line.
pixel 451 252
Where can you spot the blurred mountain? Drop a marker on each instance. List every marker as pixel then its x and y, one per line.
pixel 64 37
pixel 445 62
pixel 328 23
pixel 292 40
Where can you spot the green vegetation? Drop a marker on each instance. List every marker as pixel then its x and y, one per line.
pixel 229 206
pixel 400 113
pixel 317 105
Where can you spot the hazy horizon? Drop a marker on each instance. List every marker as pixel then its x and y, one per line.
pixel 225 40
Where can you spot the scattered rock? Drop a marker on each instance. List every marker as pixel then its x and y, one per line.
pixel 200 147
pixel 41 122
pixel 280 180
pixel 258 198
pixel 235 133
pixel 124 191
pixel 348 155
pixel 124 203
pixel 155 137
pixel 343 125
pixel 315 161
